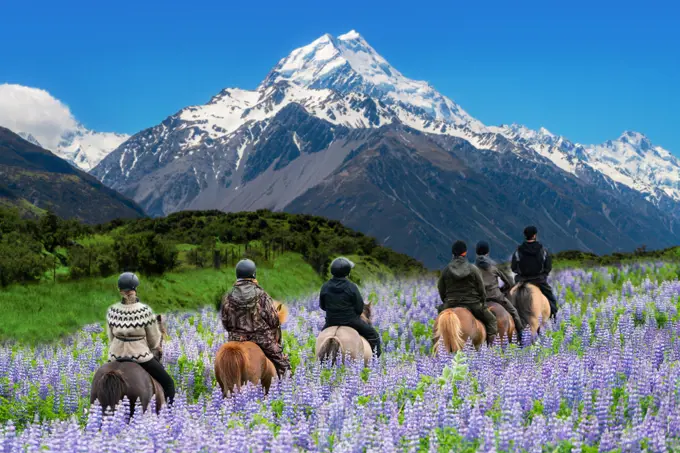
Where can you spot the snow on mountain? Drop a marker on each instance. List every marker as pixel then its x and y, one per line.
pixel 639 162
pixel 346 82
pixel 86 148
pixel 631 160
pixel 349 64
pixel 557 149
pixel 42 119
pixel 29 138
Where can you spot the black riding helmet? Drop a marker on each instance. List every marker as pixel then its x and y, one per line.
pixel 128 282
pixel 246 269
pixel 341 267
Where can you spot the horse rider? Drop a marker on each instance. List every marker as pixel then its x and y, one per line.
pixel 461 285
pixel 248 314
pixel 532 264
pixel 134 334
pixel 490 274
pixel 341 300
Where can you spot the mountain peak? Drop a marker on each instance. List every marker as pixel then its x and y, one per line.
pixel 632 137
pixel 349 64
pixel 351 35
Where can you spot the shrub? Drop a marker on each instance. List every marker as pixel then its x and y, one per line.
pixel 145 252
pixel 21 259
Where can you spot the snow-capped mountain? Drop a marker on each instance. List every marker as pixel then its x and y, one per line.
pixel 45 121
pixel 85 148
pixel 631 160
pixel 296 141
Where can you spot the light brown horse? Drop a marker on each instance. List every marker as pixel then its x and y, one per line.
pixel 531 305
pixel 454 326
pixel 239 362
pixel 342 341
pixel 506 325
pixel 115 380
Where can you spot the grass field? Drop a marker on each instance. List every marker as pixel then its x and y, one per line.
pixel 47 311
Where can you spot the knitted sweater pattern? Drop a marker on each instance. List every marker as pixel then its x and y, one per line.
pixel 133 332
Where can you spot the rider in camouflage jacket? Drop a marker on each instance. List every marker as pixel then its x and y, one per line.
pixel 248 314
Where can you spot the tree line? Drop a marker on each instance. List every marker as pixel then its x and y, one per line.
pixel 31 248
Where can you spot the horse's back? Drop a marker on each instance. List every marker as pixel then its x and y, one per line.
pixel 138 383
pixel 506 325
pixel 237 362
pixel 349 339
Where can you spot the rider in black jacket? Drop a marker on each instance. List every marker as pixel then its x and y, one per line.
pixel 532 263
pixel 343 304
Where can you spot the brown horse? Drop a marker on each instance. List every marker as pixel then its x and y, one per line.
pixel 531 305
pixel 454 326
pixel 239 362
pixel 340 341
pixel 115 380
pixel 506 325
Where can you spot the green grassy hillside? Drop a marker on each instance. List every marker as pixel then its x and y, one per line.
pixel 46 311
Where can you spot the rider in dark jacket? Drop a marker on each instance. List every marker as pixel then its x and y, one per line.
pixel 461 285
pixel 341 300
pixel 532 263
pixel 490 274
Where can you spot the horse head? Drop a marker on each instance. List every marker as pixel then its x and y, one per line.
pixel 368 312
pixel 281 310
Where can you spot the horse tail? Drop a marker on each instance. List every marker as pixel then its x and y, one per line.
pixel 330 350
pixel 231 366
pixel 450 329
pixel 111 389
pixel 523 302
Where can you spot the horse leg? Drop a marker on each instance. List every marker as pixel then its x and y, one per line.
pixel 268 375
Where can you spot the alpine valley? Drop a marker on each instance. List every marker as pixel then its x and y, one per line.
pixel 334 130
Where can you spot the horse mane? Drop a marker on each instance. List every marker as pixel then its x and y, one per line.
pixel 522 300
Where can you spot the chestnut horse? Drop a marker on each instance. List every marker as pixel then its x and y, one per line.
pixel 454 326
pixel 239 362
pixel 506 325
pixel 344 341
pixel 531 305
pixel 115 380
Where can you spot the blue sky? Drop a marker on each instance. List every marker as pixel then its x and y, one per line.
pixel 589 70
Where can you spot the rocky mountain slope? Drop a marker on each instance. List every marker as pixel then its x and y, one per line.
pixel 33 176
pixel 304 139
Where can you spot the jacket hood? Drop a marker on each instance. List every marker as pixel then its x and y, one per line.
pixel 460 267
pixel 530 248
pixel 245 293
pixel 337 285
pixel 484 262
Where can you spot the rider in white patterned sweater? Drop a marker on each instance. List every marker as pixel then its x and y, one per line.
pixel 134 334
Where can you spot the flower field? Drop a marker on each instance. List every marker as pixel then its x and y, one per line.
pixel 605 377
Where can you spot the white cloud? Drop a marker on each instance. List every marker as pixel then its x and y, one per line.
pixel 35 111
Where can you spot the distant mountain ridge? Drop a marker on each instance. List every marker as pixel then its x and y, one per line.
pixel 293 144
pixel 32 177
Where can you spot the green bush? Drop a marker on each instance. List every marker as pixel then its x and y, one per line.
pixel 144 252
pixel 21 259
